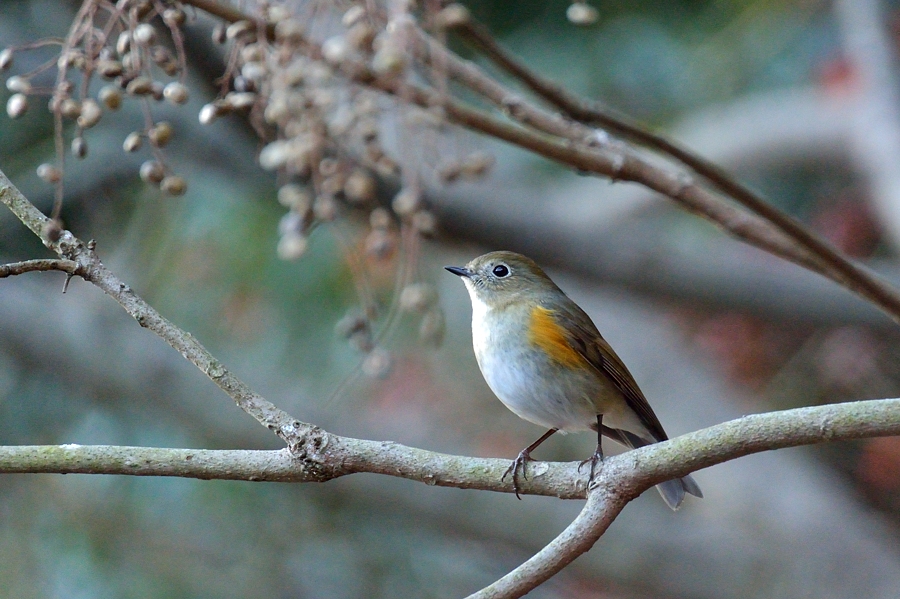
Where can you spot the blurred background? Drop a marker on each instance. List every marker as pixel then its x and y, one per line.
pixel 798 98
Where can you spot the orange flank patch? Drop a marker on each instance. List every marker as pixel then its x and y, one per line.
pixel 545 332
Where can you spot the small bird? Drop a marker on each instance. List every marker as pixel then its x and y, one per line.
pixel 547 362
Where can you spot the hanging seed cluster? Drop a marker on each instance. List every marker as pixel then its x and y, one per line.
pixel 130 50
pixel 298 73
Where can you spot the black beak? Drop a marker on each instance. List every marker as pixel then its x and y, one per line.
pixel 460 271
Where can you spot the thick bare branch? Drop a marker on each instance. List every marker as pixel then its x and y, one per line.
pixel 625 476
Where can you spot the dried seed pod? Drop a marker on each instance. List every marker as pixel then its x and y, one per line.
pixel 295 197
pixel 243 28
pixel 133 142
pixel 70 108
pixel 6 59
pixel 289 31
pixel 176 93
pixel 325 208
pixel 109 68
pixel 17 105
pixel 377 364
pixel 173 185
pixel 174 17
pixel 389 60
pixel 123 43
pixel 406 202
pixel 276 14
pixel 210 112
pixel 581 13
pixel 90 114
pixel 18 84
pixel 360 37
pixel 139 86
pixel 417 297
pixel 160 134
pixel 144 34
pixel 171 67
pixel 452 15
pixel 292 246
pixel 335 49
pixel 49 173
pixel 254 71
pixel 239 100
pixel 242 84
pixel 386 167
pixel 152 172
pixel 360 187
pixel 275 155
pixel 79 147
pixel 291 222
pixel 350 325
pixel 253 53
pixel 353 15
pixel 110 96
pixel 218 34
pixel 73 58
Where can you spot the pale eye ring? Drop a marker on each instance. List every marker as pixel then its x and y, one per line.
pixel 500 271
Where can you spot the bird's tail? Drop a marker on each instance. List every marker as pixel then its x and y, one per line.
pixel 672 491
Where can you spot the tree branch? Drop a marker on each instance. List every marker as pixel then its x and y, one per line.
pixel 17 268
pixel 91 269
pixel 622 477
pixel 864 281
pixel 625 476
pixel 580 147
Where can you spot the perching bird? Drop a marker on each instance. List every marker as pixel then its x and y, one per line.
pixel 544 358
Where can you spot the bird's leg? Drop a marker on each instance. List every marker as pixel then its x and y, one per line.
pixel 598 453
pixel 520 461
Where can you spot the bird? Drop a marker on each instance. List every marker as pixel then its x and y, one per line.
pixel 544 358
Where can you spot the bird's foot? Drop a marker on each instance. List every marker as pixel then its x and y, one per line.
pixel 595 459
pixel 519 463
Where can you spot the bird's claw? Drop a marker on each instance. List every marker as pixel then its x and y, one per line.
pixel 521 460
pixel 595 459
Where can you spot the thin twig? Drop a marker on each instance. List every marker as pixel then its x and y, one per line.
pixel 17 268
pixel 864 280
pixel 91 269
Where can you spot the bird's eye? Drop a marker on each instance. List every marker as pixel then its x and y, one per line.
pixel 500 271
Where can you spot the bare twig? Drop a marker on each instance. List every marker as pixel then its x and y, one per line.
pixel 91 269
pixel 17 268
pixel 864 281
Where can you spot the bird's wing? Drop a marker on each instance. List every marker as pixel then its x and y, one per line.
pixel 587 341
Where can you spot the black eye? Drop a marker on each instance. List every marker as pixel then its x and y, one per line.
pixel 500 271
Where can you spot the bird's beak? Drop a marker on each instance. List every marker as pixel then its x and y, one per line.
pixel 460 271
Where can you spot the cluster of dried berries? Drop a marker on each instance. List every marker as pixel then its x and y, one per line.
pixel 123 44
pixel 337 145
